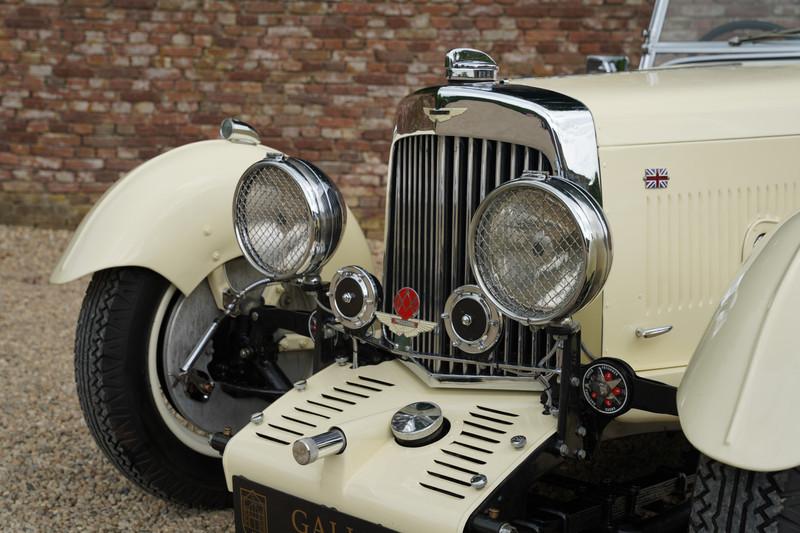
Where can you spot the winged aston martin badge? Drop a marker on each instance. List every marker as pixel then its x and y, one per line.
pixel 406 305
pixel 443 114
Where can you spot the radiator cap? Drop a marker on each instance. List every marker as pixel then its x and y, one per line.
pixel 417 424
pixel 469 65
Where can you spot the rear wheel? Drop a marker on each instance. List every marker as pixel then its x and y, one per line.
pixel 729 499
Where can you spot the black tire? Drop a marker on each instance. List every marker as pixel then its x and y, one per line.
pixel 113 386
pixel 740 25
pixel 730 499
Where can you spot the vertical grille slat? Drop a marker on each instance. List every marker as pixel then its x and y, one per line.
pixel 437 183
pixel 469 205
pixel 456 207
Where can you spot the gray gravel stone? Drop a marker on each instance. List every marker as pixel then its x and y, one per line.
pixel 52 476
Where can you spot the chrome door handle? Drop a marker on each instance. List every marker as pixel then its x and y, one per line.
pixel 649 333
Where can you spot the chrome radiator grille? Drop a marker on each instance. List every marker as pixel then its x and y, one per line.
pixel 436 184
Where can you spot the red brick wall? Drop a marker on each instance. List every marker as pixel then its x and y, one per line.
pixel 91 88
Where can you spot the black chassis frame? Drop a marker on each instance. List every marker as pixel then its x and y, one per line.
pixel 655 503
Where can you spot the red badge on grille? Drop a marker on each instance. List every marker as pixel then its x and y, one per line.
pixel 406 305
pixel 406 302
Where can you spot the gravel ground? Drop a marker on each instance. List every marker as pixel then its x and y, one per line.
pixel 52 476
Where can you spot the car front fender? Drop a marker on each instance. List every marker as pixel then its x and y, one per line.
pixel 172 215
pixel 738 399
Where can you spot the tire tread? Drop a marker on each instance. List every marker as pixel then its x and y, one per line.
pixel 730 499
pixel 108 309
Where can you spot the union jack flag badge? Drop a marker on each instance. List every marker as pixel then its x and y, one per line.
pixel 656 178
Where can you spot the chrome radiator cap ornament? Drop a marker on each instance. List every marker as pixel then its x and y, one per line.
pixel 417 423
pixel 469 65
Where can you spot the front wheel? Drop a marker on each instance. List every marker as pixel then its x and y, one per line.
pixel 727 498
pixel 114 381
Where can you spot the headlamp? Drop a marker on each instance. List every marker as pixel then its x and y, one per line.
pixel 540 248
pixel 288 217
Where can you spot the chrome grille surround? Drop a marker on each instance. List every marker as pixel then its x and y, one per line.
pixel 439 172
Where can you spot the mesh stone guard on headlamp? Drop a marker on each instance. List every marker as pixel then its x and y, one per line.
pixel 540 248
pixel 288 217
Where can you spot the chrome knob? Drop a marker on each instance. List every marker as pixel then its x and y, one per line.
pixel 309 449
pixel 518 441
pixel 478 482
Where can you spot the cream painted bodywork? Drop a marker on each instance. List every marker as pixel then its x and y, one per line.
pixel 173 215
pixel 728 136
pixel 737 401
pixel 374 478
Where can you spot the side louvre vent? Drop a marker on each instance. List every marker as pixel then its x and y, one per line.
pixel 310 414
pixel 467 452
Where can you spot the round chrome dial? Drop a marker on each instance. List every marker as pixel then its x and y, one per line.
pixel 417 422
pixel 354 296
pixel 473 323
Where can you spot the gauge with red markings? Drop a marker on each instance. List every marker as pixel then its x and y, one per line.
pixel 605 388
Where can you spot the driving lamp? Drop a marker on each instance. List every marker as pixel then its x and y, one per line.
pixel 288 217
pixel 539 248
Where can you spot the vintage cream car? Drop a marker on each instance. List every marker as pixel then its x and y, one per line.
pixel 555 253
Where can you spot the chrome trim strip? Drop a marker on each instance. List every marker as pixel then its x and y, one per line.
pixel 469 202
pixel 722 47
pixel 454 241
pixel 440 222
pixel 719 58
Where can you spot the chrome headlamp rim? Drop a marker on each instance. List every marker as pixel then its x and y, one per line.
pixel 589 218
pixel 325 209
